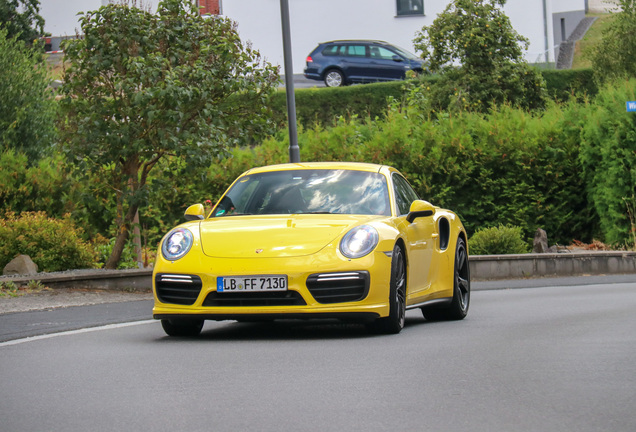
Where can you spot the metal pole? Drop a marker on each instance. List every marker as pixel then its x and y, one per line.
pixel 545 32
pixel 294 150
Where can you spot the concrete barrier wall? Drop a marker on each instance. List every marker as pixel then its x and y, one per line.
pixel 482 268
pixel 127 280
pixel 493 267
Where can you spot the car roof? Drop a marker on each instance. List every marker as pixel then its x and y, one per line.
pixel 364 41
pixel 354 166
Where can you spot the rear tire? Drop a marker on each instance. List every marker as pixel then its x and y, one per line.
pixel 182 327
pixel 334 78
pixel 458 309
pixel 394 323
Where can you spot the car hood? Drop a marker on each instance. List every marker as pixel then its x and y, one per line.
pixel 273 236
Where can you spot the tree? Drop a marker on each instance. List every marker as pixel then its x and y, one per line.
pixel 21 19
pixel 613 57
pixel 145 87
pixel 27 110
pixel 480 58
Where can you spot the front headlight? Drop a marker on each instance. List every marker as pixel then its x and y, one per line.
pixel 176 244
pixel 358 242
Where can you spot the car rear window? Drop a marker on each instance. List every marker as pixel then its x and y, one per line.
pixel 333 50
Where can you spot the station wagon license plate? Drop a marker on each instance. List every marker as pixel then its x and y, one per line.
pixel 254 283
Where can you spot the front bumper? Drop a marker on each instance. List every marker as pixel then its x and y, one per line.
pixel 322 292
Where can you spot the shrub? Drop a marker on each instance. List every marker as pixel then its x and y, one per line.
pixel 45 184
pixel 500 240
pixel 608 158
pixel 104 248
pixel 53 244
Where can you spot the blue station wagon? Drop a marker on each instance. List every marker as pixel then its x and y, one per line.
pixel 344 62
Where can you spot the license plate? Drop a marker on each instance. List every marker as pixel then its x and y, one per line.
pixel 251 283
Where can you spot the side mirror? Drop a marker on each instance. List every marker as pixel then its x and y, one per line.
pixel 397 58
pixel 419 209
pixel 195 212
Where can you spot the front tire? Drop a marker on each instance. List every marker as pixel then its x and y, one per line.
pixel 182 327
pixel 334 78
pixel 458 309
pixel 394 323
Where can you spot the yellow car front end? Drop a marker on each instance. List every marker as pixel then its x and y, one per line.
pixel 320 283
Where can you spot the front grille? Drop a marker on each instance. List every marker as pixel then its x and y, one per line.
pixel 338 287
pixel 178 289
pixel 277 298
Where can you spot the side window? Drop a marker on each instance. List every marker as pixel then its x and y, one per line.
pixel 356 50
pixel 404 194
pixel 382 53
pixel 410 7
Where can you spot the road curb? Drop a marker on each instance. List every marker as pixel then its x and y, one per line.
pixel 482 268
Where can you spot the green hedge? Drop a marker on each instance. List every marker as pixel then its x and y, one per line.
pixel 324 105
pixel 563 84
pixel 509 167
pixel 608 158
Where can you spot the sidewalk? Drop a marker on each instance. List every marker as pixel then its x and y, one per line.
pixel 48 299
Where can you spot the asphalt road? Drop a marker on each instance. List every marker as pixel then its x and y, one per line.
pixel 557 358
pixel 301 82
pixel 41 322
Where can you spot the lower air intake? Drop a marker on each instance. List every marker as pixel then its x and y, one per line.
pixel 178 289
pixel 339 287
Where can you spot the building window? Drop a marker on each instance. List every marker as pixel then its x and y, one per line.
pixel 410 7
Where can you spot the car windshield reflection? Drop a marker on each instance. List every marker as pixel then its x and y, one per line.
pixel 307 191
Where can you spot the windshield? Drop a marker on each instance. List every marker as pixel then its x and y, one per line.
pixel 405 53
pixel 307 191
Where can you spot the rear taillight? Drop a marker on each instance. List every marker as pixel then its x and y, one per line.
pixel 309 59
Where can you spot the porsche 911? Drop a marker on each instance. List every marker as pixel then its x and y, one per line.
pixel 350 241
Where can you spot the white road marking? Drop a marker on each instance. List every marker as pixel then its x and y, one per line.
pixel 73 332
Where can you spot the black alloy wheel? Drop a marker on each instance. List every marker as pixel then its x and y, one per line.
pixel 182 327
pixel 458 308
pixel 394 323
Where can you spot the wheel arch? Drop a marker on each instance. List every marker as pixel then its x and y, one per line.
pixel 400 242
pixel 463 236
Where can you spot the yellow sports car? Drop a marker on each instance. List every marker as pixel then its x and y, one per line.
pixel 313 240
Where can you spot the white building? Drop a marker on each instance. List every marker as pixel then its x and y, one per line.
pixel 546 23
pixel 60 16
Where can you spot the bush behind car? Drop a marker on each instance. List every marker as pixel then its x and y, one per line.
pixel 508 167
